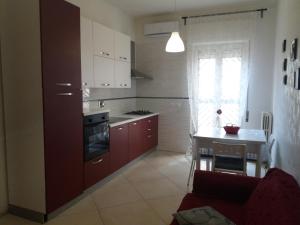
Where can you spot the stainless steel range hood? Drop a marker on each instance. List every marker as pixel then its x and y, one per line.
pixel 135 74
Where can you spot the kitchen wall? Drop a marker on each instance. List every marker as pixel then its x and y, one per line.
pixel 286 99
pixel 113 17
pixel 169 73
pixel 3 179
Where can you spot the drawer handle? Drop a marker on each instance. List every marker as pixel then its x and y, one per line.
pixel 149 121
pixel 97 162
pixel 134 124
pixel 125 58
pixel 120 128
pixel 106 85
pixel 64 94
pixel 149 129
pixel 149 136
pixel 64 84
pixel 125 85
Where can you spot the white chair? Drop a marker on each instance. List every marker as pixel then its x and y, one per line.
pixel 202 154
pixel 267 156
pixel 230 158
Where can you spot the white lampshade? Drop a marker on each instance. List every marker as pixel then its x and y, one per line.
pixel 175 43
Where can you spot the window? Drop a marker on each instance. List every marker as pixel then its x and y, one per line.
pixel 220 84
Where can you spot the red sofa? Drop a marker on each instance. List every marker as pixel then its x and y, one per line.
pixel 272 200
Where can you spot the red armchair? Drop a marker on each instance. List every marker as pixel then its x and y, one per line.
pixel 272 200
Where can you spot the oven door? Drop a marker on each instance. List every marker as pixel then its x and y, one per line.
pixel 96 139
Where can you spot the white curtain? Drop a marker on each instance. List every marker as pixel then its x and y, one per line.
pixel 218 58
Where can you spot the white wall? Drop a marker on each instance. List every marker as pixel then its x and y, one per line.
pixel 169 73
pixel 286 99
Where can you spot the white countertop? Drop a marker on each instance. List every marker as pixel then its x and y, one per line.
pixel 88 112
pixel 131 118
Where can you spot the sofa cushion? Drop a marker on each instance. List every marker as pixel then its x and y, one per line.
pixel 275 201
pixel 230 209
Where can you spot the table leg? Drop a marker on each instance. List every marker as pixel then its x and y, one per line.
pixel 196 151
pixel 258 162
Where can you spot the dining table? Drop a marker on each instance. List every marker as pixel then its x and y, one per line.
pixel 254 139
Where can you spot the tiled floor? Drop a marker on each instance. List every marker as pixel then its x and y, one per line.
pixel 146 193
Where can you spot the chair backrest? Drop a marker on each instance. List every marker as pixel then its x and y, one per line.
pixel 235 151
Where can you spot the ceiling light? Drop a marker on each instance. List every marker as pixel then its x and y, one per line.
pixel 175 43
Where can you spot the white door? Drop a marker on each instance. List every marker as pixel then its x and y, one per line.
pixel 103 41
pixel 122 47
pixel 103 72
pixel 122 74
pixel 86 32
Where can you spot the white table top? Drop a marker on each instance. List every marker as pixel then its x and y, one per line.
pixel 244 135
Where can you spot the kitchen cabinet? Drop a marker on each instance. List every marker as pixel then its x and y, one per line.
pixel 136 134
pixel 62 101
pixel 86 26
pixel 119 147
pixel 122 47
pixel 96 169
pixel 122 74
pixel 103 39
pixel 105 56
pixel 43 106
pixel 103 72
pixel 150 133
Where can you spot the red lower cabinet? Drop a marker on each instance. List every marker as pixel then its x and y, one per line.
pixel 150 133
pixel 119 147
pixel 96 169
pixel 136 134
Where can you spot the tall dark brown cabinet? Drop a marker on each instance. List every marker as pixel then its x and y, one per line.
pixel 62 101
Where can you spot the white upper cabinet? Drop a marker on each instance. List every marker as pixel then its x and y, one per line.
pixel 122 74
pixel 122 47
pixel 104 41
pixel 104 71
pixel 86 27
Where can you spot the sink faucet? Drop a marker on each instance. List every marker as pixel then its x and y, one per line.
pixel 101 103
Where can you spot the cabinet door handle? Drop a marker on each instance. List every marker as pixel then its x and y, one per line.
pixel 97 162
pixel 64 94
pixel 64 84
pixel 125 58
pixel 149 121
pixel 149 129
pixel 125 85
pixel 105 85
pixel 120 128
pixel 134 124
pixel 104 53
pixel 149 136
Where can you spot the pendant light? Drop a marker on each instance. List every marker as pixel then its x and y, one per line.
pixel 175 43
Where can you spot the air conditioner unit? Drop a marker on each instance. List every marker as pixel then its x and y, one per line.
pixel 161 29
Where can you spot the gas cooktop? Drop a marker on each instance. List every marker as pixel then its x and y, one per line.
pixel 139 112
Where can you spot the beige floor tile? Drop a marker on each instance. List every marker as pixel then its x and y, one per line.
pixel 124 193
pixel 9 219
pixel 138 213
pixel 115 182
pixel 77 219
pixel 142 172
pixel 157 188
pixel 175 168
pixel 160 158
pixel 85 205
pixel 181 182
pixel 166 207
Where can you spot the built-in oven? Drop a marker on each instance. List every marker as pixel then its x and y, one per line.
pixel 96 135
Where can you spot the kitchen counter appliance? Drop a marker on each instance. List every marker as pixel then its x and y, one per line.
pixel 96 135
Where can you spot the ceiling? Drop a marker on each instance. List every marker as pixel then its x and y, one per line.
pixel 152 7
